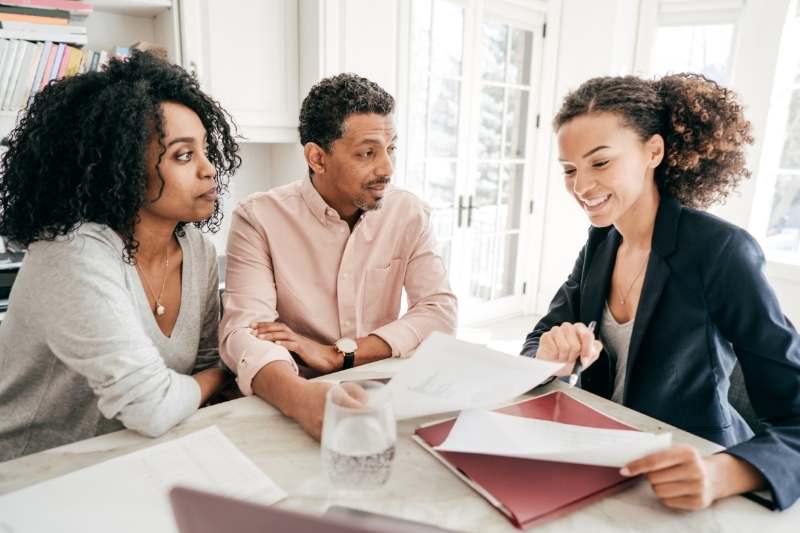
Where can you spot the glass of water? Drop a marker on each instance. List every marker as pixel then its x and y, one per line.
pixel 359 433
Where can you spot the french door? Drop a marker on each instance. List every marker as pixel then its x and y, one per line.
pixel 470 122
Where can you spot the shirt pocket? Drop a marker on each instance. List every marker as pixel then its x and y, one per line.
pixel 383 286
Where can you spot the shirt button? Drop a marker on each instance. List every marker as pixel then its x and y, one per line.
pixel 347 323
pixel 341 230
pixel 345 275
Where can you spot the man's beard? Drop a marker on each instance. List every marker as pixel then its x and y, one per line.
pixel 366 206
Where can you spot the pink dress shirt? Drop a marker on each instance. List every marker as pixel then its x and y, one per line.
pixel 292 259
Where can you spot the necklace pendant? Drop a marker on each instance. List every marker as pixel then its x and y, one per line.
pixel 160 310
pixel 621 301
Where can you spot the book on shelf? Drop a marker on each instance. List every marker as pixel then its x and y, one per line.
pixel 7 64
pixel 28 72
pixel 23 50
pixel 42 31
pixel 72 7
pixel 48 35
pixel 42 41
pixel 35 15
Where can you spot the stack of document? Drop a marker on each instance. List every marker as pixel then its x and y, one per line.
pixel 446 374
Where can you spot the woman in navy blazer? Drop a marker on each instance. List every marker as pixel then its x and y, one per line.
pixel 639 156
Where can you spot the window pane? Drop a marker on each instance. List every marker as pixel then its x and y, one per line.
pixel 704 49
pixel 516 124
pixel 510 196
pixel 418 115
pixel 493 53
pixel 519 64
pixel 791 147
pixel 783 233
pixel 448 38
pixel 505 274
pixel 441 184
pixel 484 213
pixel 442 222
pixel 444 117
pixel 491 127
pixel 415 178
pixel 421 37
pixel 480 284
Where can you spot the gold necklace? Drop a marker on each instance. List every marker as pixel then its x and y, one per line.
pixel 628 292
pixel 160 309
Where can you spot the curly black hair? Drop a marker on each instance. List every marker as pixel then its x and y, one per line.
pixel 79 152
pixel 704 130
pixel 332 100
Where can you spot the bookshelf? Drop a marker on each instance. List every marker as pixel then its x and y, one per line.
pixel 121 23
pixel 255 75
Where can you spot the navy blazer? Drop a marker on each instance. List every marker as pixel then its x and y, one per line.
pixel 704 304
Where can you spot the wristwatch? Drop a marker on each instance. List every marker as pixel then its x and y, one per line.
pixel 347 347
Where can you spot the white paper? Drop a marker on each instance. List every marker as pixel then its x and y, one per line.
pixel 383 369
pixel 490 433
pixel 446 374
pixel 130 493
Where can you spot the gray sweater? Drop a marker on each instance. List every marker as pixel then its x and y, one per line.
pixel 81 353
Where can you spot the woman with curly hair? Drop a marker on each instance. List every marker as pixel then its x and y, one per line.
pixel 678 295
pixel 109 179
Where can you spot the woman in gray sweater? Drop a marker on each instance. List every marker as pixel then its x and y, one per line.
pixel 109 179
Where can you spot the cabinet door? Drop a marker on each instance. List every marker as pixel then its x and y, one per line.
pixel 245 54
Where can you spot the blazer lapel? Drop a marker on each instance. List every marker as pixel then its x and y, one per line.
pixel 598 378
pixel 656 276
pixel 597 281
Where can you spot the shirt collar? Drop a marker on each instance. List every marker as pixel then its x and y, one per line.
pixel 323 212
pixel 316 204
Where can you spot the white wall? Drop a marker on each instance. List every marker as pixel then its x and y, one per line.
pixel 595 39
pixel 264 166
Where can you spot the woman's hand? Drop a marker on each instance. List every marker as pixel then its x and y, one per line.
pixel 320 357
pixel 568 342
pixel 683 479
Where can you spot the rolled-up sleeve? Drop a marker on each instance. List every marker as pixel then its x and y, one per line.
pixel 93 327
pixel 250 296
pixel 432 306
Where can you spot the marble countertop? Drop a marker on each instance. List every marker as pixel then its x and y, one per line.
pixel 420 487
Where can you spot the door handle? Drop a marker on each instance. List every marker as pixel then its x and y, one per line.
pixel 469 212
pixel 460 209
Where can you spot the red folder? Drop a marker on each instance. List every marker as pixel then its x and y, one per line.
pixel 528 491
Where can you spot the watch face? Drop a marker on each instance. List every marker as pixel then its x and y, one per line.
pixel 346 345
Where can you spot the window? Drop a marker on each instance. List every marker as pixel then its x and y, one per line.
pixel 434 111
pixel 703 48
pixel 472 83
pixel 783 178
pixel 696 36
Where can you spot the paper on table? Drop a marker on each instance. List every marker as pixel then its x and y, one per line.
pixel 446 374
pixel 490 433
pixel 130 493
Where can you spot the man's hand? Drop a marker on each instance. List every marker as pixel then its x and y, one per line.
pixel 322 358
pixel 308 408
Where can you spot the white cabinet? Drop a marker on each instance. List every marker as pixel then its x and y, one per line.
pixel 245 54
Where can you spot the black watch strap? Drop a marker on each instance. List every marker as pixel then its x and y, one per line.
pixel 349 360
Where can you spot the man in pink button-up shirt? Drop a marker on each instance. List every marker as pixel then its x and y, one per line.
pixel 326 258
